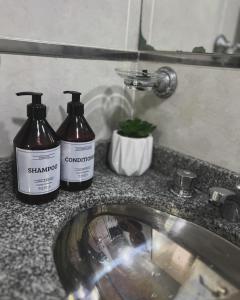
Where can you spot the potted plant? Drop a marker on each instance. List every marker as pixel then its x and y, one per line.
pixel 131 147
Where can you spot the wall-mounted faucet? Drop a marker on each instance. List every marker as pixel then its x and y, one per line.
pixel 163 82
pixel 227 201
pixel 222 45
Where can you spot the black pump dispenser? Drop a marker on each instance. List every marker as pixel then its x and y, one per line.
pixel 75 107
pixel 35 109
pixel 77 147
pixel 37 156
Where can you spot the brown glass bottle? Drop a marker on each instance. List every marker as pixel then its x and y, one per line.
pixel 77 147
pixel 37 156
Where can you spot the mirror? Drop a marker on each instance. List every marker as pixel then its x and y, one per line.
pixel 191 26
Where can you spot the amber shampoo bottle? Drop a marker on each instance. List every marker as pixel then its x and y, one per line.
pixel 77 147
pixel 37 156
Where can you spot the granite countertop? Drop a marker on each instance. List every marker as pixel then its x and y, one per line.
pixel 28 233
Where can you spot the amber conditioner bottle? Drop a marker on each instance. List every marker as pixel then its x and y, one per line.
pixel 77 147
pixel 37 156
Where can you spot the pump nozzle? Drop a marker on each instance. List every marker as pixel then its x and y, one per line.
pixel 35 109
pixel 36 97
pixel 75 95
pixel 75 107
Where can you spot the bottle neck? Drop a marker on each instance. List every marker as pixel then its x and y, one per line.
pixel 75 116
pixel 36 118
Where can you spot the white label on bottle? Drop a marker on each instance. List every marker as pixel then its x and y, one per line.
pixel 77 161
pixel 38 171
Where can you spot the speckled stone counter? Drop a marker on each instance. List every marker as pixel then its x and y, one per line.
pixel 28 233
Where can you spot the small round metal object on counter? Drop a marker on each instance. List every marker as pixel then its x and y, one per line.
pixel 218 195
pixel 183 183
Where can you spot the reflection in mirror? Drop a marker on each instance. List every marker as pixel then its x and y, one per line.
pixel 204 26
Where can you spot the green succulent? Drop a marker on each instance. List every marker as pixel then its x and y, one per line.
pixel 136 128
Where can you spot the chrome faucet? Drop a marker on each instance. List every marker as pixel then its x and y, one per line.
pixel 227 201
pixel 223 46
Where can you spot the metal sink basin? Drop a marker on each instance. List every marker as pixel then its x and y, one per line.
pixel 133 252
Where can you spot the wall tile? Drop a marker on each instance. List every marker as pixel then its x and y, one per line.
pixel 202 118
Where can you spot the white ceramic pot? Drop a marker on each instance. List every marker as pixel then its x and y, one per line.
pixel 130 156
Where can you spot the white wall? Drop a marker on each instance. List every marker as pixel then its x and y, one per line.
pixel 202 118
pixel 105 23
pixel 106 100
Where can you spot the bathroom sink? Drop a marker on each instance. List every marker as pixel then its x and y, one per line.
pixel 135 252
